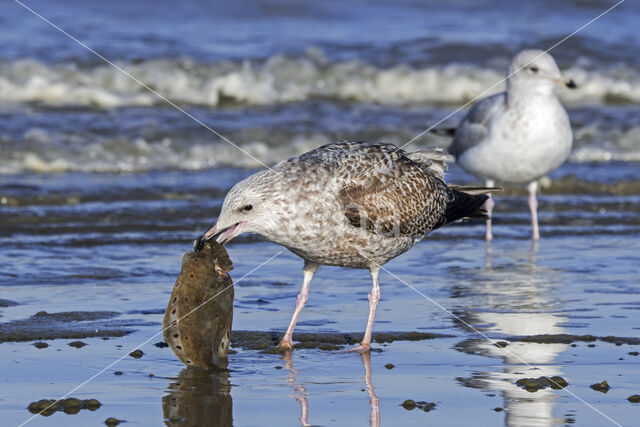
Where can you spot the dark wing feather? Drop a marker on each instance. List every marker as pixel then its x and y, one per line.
pixel 464 205
pixel 386 192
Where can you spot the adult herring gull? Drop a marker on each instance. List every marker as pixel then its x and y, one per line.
pixel 349 204
pixel 520 135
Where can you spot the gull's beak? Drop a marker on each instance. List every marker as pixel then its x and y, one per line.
pixel 565 82
pixel 221 236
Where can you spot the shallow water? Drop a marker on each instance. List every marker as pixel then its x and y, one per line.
pixel 117 247
pixel 103 187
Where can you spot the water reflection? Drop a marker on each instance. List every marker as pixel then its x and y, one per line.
pixel 374 402
pixel 198 398
pixel 514 296
pixel 300 393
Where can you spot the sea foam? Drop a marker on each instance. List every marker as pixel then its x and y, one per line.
pixel 281 79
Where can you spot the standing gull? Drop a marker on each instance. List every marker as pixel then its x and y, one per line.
pixel 350 204
pixel 520 135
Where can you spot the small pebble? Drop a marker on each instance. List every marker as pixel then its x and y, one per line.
pixel 72 403
pixel 278 367
pixel 137 354
pixel 77 344
pixel 426 406
pixel 161 344
pixel 501 344
pixel 112 421
pixel 602 387
pixel 498 409
pixel 591 345
pixel 117 373
pixel 633 353
pixel 634 398
pixel 389 366
pixel 91 404
pixel 71 406
pixel 409 404
pixel 41 344
pixel 535 384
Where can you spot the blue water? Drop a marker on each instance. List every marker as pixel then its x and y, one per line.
pixel 103 186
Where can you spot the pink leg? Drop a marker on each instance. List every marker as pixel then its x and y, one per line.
pixel 533 207
pixel 308 271
pixel 374 297
pixel 488 206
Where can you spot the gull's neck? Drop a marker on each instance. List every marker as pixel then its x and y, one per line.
pixel 521 92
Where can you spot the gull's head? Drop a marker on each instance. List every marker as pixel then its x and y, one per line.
pixel 249 207
pixel 536 70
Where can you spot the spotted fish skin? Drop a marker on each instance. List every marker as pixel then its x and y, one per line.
pixel 197 322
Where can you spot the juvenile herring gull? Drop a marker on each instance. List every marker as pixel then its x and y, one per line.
pixel 350 204
pixel 520 135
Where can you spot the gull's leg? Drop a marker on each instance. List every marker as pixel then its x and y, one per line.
pixel 309 269
pixel 488 206
pixel 533 207
pixel 374 297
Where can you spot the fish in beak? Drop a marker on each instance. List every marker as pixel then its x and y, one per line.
pixel 221 236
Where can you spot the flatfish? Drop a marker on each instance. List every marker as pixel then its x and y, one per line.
pixel 197 322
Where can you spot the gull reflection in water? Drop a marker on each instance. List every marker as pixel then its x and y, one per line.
pixel 374 402
pixel 514 296
pixel 300 393
pixel 198 398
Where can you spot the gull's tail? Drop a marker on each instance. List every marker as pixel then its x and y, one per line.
pixel 466 203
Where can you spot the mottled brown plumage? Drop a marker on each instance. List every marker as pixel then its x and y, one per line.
pixel 350 204
pixel 407 200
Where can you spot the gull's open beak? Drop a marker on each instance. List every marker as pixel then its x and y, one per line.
pixel 220 236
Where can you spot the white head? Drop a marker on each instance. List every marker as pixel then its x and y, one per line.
pixel 251 206
pixel 537 71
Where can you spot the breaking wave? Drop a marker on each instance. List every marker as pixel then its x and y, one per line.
pixel 280 79
pixel 43 151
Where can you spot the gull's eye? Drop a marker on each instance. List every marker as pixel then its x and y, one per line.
pixel 533 69
pixel 247 208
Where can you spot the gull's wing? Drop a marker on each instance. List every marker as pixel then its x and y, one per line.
pixel 474 128
pixel 384 190
pixel 381 189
